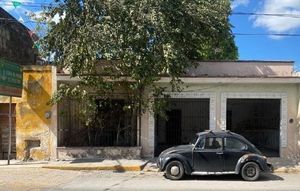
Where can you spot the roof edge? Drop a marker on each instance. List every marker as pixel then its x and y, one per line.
pixel 12 17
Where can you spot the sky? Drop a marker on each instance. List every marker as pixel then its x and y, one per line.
pixel 251 47
pixel 267 47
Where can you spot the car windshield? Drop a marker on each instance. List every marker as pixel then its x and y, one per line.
pixel 194 140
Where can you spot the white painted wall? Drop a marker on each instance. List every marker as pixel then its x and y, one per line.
pixel 289 92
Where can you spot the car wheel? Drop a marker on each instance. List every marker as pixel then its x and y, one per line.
pixel 174 170
pixel 250 171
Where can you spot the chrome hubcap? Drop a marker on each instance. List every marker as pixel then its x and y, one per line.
pixel 174 170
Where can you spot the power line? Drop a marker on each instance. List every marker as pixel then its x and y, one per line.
pixel 236 34
pixel 267 34
pixel 233 13
pixel 297 16
pixel 30 4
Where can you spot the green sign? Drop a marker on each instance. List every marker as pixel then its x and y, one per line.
pixel 11 79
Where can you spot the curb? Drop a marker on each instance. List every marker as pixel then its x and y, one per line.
pixel 286 170
pixel 115 168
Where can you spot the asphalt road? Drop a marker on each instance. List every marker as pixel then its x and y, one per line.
pixel 47 179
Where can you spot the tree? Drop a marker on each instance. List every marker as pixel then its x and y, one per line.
pixel 132 43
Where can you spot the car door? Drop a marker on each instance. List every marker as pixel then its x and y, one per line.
pixel 208 155
pixel 234 149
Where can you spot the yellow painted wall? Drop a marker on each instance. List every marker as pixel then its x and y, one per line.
pixel 31 122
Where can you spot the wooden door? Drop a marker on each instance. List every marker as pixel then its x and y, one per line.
pixel 4 131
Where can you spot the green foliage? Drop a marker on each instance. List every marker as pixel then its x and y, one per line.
pixel 104 41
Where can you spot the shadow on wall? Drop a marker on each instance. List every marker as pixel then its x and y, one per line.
pixel 37 97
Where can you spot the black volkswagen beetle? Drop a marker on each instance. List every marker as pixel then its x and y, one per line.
pixel 214 152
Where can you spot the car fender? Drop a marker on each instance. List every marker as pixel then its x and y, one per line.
pixel 171 157
pixel 251 158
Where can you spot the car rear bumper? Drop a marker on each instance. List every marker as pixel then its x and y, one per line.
pixel 270 167
pixel 159 163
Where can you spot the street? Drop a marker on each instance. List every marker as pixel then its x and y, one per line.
pixel 47 179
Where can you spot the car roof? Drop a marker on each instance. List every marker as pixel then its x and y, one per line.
pixel 224 134
pixel 221 133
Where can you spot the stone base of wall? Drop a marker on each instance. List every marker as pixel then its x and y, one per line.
pixel 71 153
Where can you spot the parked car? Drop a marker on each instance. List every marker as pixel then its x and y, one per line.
pixel 216 153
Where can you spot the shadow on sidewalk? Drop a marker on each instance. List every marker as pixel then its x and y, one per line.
pixel 263 177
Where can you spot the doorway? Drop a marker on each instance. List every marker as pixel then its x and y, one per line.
pixel 4 131
pixel 185 118
pixel 258 120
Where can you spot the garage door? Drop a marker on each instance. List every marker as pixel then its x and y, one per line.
pixel 258 120
pixel 185 118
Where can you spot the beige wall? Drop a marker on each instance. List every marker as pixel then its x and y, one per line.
pixel 242 69
pixel 292 92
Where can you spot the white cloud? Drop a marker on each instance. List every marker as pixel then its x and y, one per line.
pixel 40 14
pixel 58 17
pixel 237 3
pixel 278 24
pixel 21 20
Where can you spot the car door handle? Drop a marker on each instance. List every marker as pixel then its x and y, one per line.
pixel 219 153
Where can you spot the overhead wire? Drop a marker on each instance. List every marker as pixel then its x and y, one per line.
pixel 234 33
pixel 28 4
pixel 36 4
pixel 268 34
pixel 296 16
pixel 285 15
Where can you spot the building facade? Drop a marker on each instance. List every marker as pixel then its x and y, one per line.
pixel 17 47
pixel 257 99
pixel 33 136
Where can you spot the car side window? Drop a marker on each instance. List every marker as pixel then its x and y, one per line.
pixel 234 144
pixel 213 143
pixel 200 144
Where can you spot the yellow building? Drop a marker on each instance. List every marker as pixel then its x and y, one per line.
pixel 32 124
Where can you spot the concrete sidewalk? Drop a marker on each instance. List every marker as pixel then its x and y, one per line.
pixel 100 164
pixel 285 165
pixel 22 164
pixel 80 164
pixel 146 165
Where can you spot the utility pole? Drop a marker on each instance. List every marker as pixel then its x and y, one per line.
pixel 9 138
